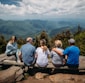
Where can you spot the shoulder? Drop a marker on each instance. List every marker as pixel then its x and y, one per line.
pixel 77 48
pixel 52 52
pixel 38 48
pixel 32 46
pixel 9 44
pixel 67 48
pixel 73 47
pixel 15 43
pixel 60 49
pixel 23 46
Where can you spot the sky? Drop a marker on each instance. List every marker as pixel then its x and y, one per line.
pixel 41 9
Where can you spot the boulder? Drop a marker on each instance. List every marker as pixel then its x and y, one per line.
pixel 10 75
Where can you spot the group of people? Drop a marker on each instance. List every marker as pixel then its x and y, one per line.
pixel 40 55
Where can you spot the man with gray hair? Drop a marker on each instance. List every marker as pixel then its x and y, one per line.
pixel 28 52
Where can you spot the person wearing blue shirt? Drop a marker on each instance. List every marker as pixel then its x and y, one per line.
pixel 72 52
pixel 28 52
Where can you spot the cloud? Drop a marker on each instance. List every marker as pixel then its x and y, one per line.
pixel 42 8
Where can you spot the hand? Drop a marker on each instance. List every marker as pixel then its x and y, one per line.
pixel 59 52
pixel 53 49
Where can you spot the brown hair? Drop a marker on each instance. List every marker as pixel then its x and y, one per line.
pixel 43 42
pixel 44 47
pixel 13 38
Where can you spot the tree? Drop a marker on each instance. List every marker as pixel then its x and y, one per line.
pixel 80 42
pixel 2 44
pixel 44 35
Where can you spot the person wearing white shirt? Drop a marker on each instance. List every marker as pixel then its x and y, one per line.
pixel 42 54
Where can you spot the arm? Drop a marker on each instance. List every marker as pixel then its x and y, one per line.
pixel 36 55
pixel 10 49
pixel 20 55
pixel 58 51
pixel 15 45
pixel 51 54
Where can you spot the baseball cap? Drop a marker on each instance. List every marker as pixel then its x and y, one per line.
pixel 71 40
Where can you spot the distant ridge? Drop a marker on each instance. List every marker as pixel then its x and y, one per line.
pixel 34 27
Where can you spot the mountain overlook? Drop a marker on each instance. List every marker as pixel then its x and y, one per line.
pixel 34 27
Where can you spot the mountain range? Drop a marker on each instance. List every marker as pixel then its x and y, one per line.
pixel 32 28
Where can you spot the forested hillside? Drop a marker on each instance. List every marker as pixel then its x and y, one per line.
pixel 34 27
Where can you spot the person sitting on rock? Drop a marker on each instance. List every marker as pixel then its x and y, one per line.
pixel 42 53
pixel 72 53
pixel 57 60
pixel 27 52
pixel 11 47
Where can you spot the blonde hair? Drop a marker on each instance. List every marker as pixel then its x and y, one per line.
pixel 58 43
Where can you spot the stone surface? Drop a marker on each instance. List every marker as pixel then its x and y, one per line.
pixel 10 62
pixel 18 73
pixel 20 77
pixel 40 75
pixel 9 75
pixel 67 78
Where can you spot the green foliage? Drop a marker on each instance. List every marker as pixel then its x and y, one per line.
pixel 20 42
pixel 79 36
pixel 2 44
pixel 42 35
pixel 80 42
pixel 34 27
pixel 64 36
pixel 36 42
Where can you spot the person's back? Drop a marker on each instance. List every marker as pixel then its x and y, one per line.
pixel 28 51
pixel 42 53
pixel 57 60
pixel 73 53
pixel 42 58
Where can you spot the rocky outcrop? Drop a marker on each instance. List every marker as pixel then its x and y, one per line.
pixel 9 60
pixel 11 75
pixel 67 78
pixel 40 75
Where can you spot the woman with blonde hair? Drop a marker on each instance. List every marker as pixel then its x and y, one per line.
pixel 57 60
pixel 42 53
